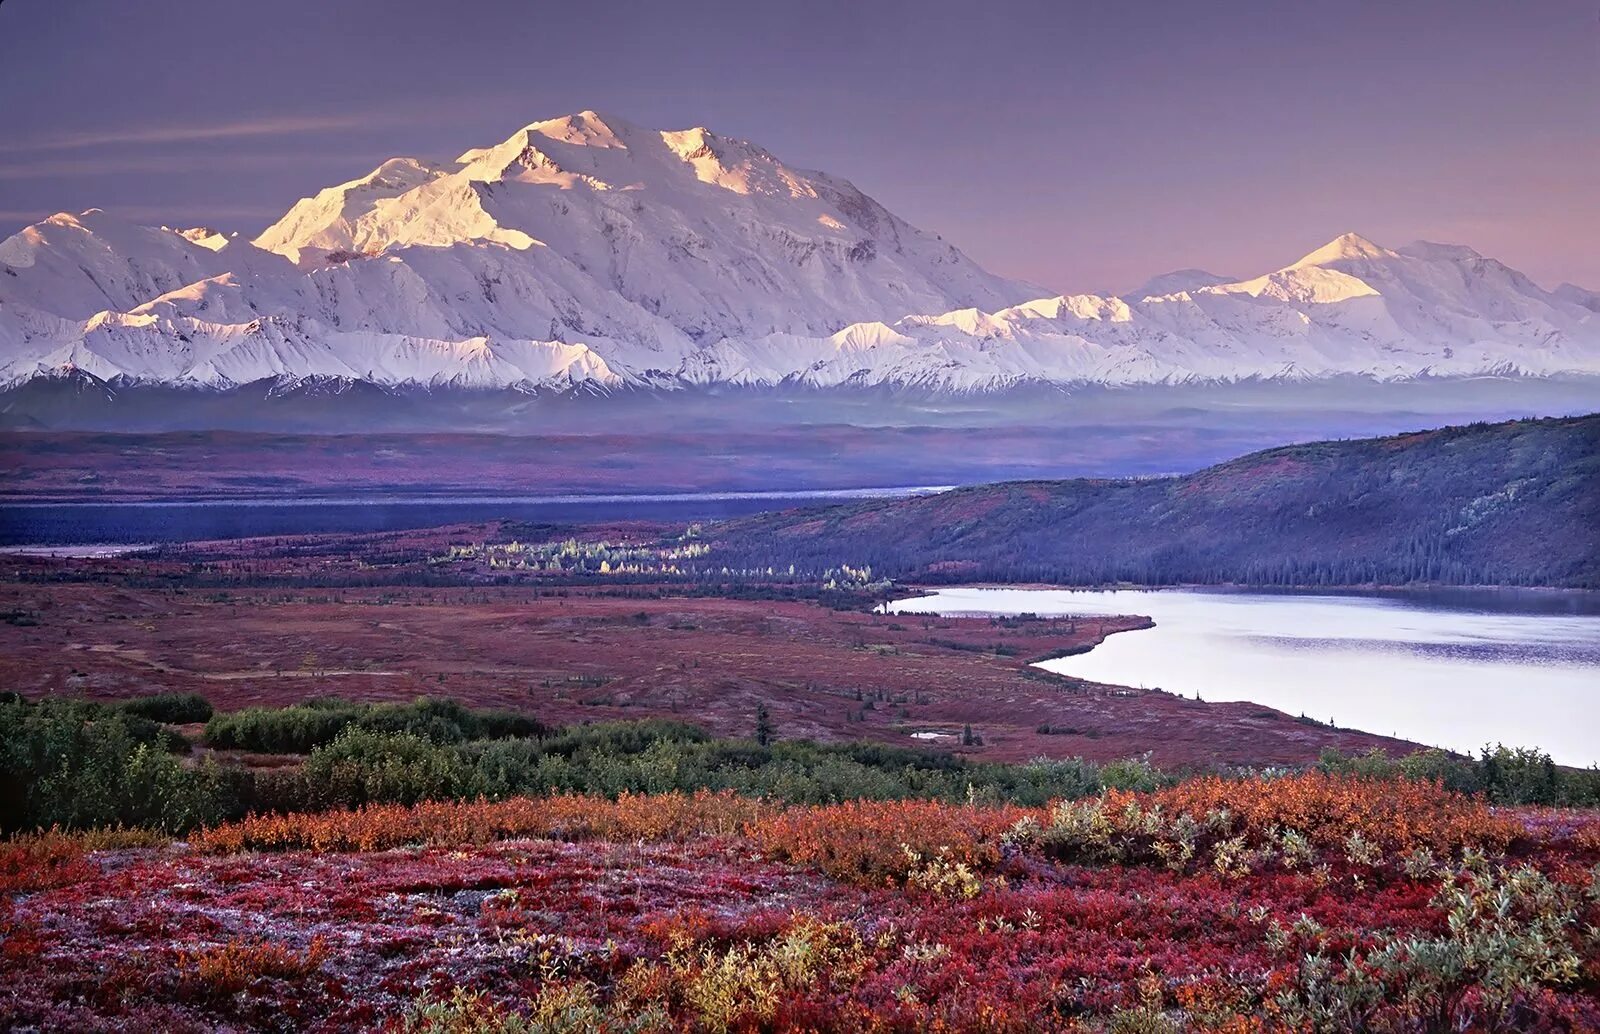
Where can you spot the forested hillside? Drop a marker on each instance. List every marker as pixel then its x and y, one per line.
pixel 1514 503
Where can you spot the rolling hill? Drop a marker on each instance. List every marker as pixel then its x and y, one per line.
pixel 1515 503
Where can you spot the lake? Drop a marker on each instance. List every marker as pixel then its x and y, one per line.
pixel 31 524
pixel 1457 669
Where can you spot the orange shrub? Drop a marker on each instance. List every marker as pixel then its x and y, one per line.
pixel 234 966
pixel 672 816
pixel 1397 815
pixel 867 842
pixel 876 843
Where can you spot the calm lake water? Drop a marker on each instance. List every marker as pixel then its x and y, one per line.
pixel 33 524
pixel 1457 669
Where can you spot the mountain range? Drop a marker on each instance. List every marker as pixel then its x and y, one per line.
pixel 585 254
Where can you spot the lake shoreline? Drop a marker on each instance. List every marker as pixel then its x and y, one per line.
pixel 1445 667
pixel 923 590
pixel 1083 648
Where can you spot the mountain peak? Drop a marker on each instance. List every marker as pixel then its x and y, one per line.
pixel 685 257
pixel 1176 282
pixel 327 220
pixel 689 143
pixel 72 219
pixel 1343 248
pixel 584 129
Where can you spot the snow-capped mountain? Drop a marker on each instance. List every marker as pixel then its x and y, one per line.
pixel 588 253
pixel 1175 282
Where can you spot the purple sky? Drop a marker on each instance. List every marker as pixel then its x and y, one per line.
pixel 1084 146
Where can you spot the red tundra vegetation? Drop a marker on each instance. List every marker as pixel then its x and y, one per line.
pixel 570 655
pixel 1306 902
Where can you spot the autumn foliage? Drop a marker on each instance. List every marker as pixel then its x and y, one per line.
pixel 228 968
pixel 1309 902
pixel 872 842
pixel 672 816
pixel 866 842
pixel 1397 815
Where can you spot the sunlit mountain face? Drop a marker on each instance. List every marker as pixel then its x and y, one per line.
pixel 587 254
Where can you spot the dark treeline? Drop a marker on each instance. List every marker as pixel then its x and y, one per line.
pixel 218 585
pixel 80 765
pixel 304 727
pixel 1506 504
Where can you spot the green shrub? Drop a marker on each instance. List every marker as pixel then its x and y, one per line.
pixel 304 727
pixel 364 767
pixel 621 737
pixel 1502 775
pixel 172 708
pixel 277 730
pixel 1521 776
pixel 1133 774
pixel 79 765
pixel 1451 771
pixel 1374 764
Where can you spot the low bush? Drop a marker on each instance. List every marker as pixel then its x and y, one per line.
pixel 951 917
pixel 877 843
pixel 226 969
pixel 1238 826
pixel 1502 775
pixel 172 708
pixel 79 766
pixel 363 767
pixel 304 727
pixel 36 862
pixel 663 817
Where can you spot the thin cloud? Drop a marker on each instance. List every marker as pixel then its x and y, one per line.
pixel 64 168
pixel 290 125
pixel 23 215
pixel 436 110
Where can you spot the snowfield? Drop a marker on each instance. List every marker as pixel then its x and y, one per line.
pixel 585 252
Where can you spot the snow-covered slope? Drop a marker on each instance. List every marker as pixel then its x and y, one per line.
pixel 1174 282
pixel 585 252
pixel 714 235
pixel 77 265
